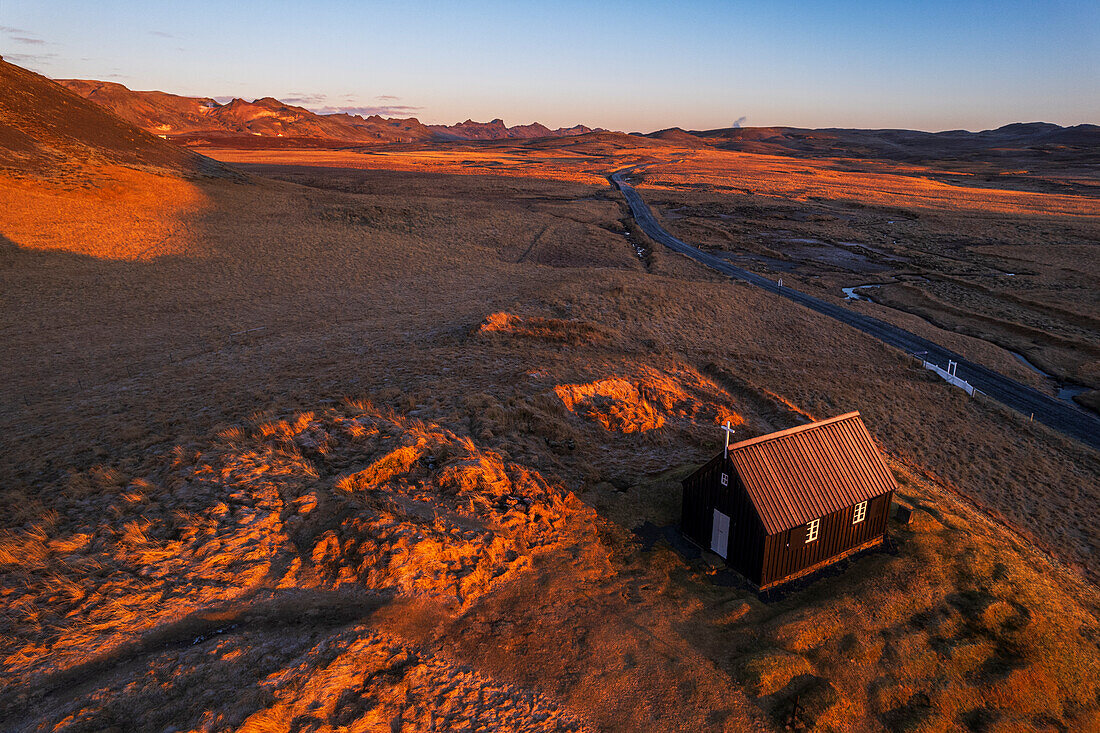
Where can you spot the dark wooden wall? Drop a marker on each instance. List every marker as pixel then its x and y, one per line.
pixel 700 496
pixel 703 493
pixel 786 553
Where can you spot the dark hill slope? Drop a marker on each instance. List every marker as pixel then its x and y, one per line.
pixel 44 126
pixel 1036 140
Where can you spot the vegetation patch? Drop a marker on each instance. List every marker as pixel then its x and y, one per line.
pixel 576 333
pixel 644 403
pixel 430 516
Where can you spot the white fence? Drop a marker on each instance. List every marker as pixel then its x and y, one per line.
pixel 948 375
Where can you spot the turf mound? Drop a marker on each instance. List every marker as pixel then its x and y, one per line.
pixel 647 401
pixel 351 499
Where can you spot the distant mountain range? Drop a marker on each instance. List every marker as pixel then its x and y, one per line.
pixel 1041 141
pixel 497 130
pixel 268 122
pixel 173 116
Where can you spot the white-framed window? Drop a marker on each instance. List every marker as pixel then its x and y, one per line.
pixel 860 513
pixel 812 530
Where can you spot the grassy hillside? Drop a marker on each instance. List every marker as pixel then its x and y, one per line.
pixel 394 441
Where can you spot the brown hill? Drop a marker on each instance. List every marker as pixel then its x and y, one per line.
pixel 174 116
pixel 269 117
pixel 599 142
pixel 1036 140
pixel 45 127
pixel 158 112
pixel 679 136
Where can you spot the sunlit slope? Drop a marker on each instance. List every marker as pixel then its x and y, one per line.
pixel 75 178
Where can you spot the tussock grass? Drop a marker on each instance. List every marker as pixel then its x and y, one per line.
pixel 395 451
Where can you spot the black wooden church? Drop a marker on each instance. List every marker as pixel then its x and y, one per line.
pixel 784 505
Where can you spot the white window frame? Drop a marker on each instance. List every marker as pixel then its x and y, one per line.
pixel 860 512
pixel 813 529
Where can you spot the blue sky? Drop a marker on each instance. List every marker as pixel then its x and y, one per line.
pixel 621 65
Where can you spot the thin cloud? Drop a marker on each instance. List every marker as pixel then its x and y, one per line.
pixel 30 58
pixel 323 104
pixel 385 110
pixel 305 98
pixel 162 34
pixel 19 35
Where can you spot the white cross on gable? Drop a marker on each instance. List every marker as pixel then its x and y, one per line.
pixel 729 431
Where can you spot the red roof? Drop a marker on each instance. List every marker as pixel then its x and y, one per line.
pixel 804 473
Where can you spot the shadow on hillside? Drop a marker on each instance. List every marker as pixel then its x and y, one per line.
pixel 292 619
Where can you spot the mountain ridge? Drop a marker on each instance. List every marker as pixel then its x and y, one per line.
pixel 173 115
pixel 1041 141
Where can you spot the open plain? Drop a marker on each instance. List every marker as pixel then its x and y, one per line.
pixel 390 437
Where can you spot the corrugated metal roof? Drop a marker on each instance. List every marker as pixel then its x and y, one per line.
pixel 804 473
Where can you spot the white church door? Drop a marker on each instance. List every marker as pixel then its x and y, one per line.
pixel 720 533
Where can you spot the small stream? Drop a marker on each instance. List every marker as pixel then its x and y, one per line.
pixel 639 250
pixel 1023 360
pixel 1069 390
pixel 1063 390
pixel 851 294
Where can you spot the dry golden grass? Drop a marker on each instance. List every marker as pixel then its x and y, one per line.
pixel 946 632
pixel 508 161
pixel 640 404
pixel 430 516
pixel 110 212
pixel 203 534
pixel 869 184
pixel 543 329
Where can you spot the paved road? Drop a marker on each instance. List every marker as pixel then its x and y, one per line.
pixel 1062 416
